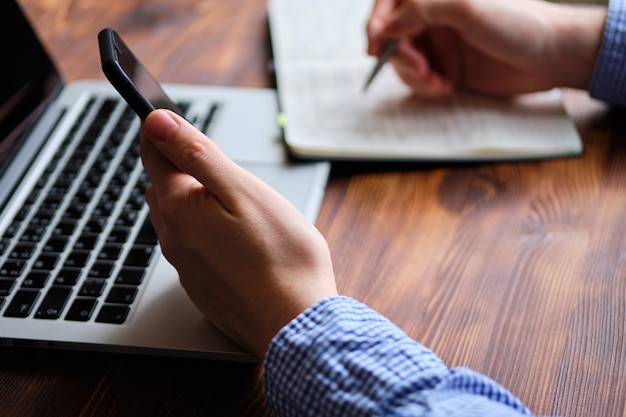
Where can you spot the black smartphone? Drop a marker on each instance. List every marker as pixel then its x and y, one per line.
pixel 131 79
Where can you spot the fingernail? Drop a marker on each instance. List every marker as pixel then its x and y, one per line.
pixel 160 124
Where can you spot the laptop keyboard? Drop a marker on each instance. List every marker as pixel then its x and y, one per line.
pixel 80 245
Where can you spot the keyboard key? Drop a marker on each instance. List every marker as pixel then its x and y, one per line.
pixel 66 179
pixel 77 259
pixel 52 202
pixel 81 309
pixel 53 303
pixel 4 244
pixel 135 201
pixel 121 295
pixel 113 314
pixel 36 279
pixel 121 177
pixel 109 152
pixel 101 165
pixel 55 244
pixel 62 185
pixel 6 285
pixel 34 195
pixel 92 288
pixel 74 211
pixel 110 252
pixel 101 269
pixel 65 227
pixel 22 251
pixel 146 235
pixel 22 303
pixel 67 276
pixel 73 167
pixel 118 235
pixel 95 225
pixel 139 256
pixel 12 230
pixel 46 261
pixel 104 208
pixel 130 276
pixel 22 213
pixel 42 217
pixel 86 241
pixel 33 233
pixel 12 268
pixel 131 159
pixel 127 218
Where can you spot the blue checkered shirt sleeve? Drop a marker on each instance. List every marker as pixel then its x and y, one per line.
pixel 340 358
pixel 608 82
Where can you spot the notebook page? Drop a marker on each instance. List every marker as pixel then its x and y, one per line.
pixel 304 31
pixel 322 65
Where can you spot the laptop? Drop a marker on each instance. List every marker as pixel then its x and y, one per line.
pixel 80 264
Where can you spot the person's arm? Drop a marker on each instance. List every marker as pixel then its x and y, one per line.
pixel 340 358
pixel 252 264
pixel 609 77
pixel 489 46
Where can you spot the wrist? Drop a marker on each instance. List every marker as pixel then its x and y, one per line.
pixel 579 32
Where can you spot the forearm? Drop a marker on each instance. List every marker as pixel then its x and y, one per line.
pixel 340 358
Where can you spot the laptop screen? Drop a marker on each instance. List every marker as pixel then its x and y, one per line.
pixel 28 78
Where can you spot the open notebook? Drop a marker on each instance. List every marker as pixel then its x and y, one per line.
pixel 321 65
pixel 80 265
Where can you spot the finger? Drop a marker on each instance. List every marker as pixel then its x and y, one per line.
pixel 190 152
pixel 430 86
pixel 403 21
pixel 411 18
pixel 400 20
pixel 410 57
pixel 376 24
pixel 414 69
pixel 382 8
pixel 153 204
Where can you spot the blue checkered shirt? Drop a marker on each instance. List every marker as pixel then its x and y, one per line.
pixel 340 358
pixel 609 78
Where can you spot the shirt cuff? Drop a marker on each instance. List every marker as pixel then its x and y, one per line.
pixel 608 82
pixel 329 358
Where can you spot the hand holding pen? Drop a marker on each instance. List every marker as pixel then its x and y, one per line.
pixel 457 44
pixel 398 31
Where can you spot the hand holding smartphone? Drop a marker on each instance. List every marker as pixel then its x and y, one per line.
pixel 131 79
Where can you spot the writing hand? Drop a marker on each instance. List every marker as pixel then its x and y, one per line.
pixel 489 46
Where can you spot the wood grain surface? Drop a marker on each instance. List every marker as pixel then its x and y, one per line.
pixel 517 270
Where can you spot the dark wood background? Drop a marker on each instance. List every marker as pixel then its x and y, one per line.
pixel 517 270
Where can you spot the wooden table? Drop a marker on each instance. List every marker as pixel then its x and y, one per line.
pixel 517 270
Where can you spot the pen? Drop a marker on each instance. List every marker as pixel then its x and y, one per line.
pixel 388 49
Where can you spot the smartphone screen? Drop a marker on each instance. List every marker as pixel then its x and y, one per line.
pixel 130 78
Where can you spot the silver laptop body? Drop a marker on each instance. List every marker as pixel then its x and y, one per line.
pixel 80 266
